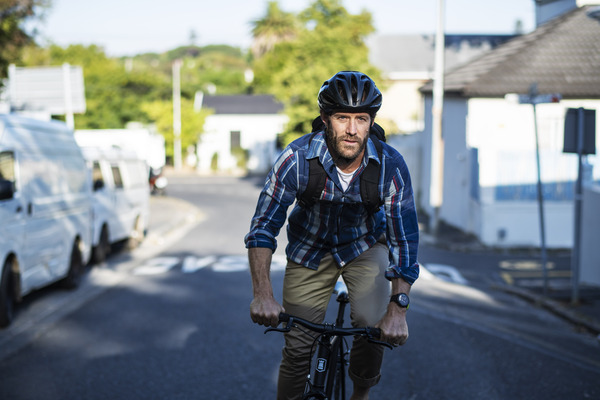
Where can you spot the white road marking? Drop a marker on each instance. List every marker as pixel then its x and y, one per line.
pixel 193 264
pixel 156 266
pixel 447 273
pixel 231 264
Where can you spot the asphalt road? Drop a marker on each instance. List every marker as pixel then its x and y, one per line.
pixel 170 321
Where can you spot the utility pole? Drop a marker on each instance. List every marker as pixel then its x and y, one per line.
pixel 69 117
pixel 437 142
pixel 540 192
pixel 177 114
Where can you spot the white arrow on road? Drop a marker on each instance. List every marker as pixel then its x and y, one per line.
pixel 446 272
pixel 193 264
pixel 156 266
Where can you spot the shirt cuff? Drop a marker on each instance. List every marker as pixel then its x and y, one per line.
pixel 409 274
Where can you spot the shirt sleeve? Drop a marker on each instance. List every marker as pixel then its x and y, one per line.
pixel 276 196
pixel 402 225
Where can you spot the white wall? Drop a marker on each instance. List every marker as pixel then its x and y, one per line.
pixel 455 208
pixel 502 132
pixel 403 104
pixel 411 148
pixel 257 135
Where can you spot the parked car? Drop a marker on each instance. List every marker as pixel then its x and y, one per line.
pixel 45 209
pixel 121 198
pixel 158 182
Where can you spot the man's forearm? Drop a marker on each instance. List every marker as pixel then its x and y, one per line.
pixel 260 268
pixel 399 285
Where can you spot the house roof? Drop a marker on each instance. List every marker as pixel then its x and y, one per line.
pixel 243 104
pixel 416 53
pixel 561 56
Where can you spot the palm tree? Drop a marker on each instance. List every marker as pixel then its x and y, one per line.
pixel 277 26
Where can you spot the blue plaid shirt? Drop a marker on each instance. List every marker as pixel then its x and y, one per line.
pixel 338 223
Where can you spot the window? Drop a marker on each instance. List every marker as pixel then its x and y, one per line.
pixel 7 166
pixel 97 177
pixel 236 142
pixel 117 176
pixel 7 175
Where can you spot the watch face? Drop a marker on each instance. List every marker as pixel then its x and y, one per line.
pixel 403 299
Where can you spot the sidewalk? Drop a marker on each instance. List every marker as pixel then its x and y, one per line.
pixel 167 216
pixel 553 293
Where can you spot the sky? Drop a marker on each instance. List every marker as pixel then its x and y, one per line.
pixel 129 27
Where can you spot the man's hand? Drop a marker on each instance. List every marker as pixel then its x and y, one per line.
pixel 394 329
pixel 265 311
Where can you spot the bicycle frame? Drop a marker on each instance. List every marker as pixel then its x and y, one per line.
pixel 331 360
pixel 330 370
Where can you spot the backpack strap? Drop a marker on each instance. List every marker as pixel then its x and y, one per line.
pixel 369 181
pixel 316 181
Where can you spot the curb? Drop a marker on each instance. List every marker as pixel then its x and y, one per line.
pixel 555 307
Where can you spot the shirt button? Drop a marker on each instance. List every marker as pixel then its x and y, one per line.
pixel 342 264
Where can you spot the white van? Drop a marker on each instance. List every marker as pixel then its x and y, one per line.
pixel 121 198
pixel 45 208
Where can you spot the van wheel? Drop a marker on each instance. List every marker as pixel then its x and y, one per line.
pixel 6 295
pixel 137 236
pixel 102 250
pixel 73 278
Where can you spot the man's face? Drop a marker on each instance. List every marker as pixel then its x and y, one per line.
pixel 347 134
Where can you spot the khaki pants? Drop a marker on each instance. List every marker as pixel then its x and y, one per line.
pixel 306 294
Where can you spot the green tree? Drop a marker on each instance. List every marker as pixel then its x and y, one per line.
pixel 276 27
pixel 331 39
pixel 192 122
pixel 13 36
pixel 215 66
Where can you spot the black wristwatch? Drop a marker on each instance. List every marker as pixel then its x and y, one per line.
pixel 401 299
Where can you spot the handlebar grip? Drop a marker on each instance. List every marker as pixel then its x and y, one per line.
pixel 376 332
pixel 283 317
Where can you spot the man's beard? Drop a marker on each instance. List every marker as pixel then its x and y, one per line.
pixel 336 146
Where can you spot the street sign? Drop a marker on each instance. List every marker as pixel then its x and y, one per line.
pixel 56 90
pixel 539 98
pixel 573 119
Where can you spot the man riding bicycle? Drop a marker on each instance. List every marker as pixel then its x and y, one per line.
pixel 338 232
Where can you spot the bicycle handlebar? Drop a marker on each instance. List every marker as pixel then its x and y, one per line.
pixel 369 332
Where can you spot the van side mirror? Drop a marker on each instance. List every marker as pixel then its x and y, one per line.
pixel 98 184
pixel 7 189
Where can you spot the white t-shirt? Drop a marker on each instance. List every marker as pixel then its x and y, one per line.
pixel 345 178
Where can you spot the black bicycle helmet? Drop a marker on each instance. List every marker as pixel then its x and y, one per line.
pixel 350 91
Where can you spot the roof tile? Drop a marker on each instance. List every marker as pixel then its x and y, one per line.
pixel 561 56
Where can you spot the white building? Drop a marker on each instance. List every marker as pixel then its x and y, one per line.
pixel 489 163
pixel 240 124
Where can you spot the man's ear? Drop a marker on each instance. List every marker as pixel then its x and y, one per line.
pixel 324 117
